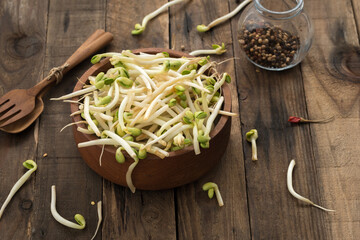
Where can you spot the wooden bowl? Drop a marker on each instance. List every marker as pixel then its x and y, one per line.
pixel 154 173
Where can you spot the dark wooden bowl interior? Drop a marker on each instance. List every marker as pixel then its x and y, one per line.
pixel 154 173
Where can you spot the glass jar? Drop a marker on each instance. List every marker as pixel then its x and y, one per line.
pixel 275 34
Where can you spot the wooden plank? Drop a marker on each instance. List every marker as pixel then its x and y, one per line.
pixel 267 99
pixel 331 73
pixel 22 41
pixel 69 24
pixel 198 216
pixel 145 214
pixel 356 13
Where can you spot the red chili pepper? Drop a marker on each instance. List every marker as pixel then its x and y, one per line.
pixel 293 119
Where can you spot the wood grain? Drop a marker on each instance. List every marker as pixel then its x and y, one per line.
pixel 22 41
pixel 267 99
pixel 38 35
pixel 331 73
pixel 69 25
pixel 198 217
pixel 145 214
pixel 356 13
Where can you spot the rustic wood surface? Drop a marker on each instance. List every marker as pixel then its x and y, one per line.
pixel 37 35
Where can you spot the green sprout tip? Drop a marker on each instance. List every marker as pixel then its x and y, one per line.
pixel 138 29
pixel 119 156
pixel 95 59
pixel 202 28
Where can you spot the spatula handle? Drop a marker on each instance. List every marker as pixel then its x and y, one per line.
pixel 94 43
pixel 88 49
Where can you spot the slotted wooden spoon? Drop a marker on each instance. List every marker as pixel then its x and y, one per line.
pixel 21 107
pixel 23 123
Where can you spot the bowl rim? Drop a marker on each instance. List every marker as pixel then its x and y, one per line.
pixel 111 149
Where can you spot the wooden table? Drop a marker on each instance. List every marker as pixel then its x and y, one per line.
pixel 37 35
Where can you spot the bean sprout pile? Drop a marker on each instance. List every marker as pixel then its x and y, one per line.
pixel 150 103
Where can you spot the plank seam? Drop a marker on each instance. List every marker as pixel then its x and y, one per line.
pixel 241 130
pixel 176 214
pixel 38 121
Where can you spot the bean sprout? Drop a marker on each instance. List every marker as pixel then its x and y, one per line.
pixel 154 99
pixel 251 137
pixel 99 211
pixel 216 49
pixel 211 188
pixel 32 166
pixel 295 194
pixel 203 28
pixel 128 175
pixel 140 28
pixel 78 218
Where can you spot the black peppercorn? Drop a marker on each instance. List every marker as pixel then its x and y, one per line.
pixel 268 45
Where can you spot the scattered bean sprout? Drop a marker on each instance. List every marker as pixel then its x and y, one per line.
pixel 151 103
pixel 251 137
pixel 78 218
pixel 295 194
pixel 211 188
pixel 139 28
pixel 32 166
pixel 203 28
pixel 99 211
